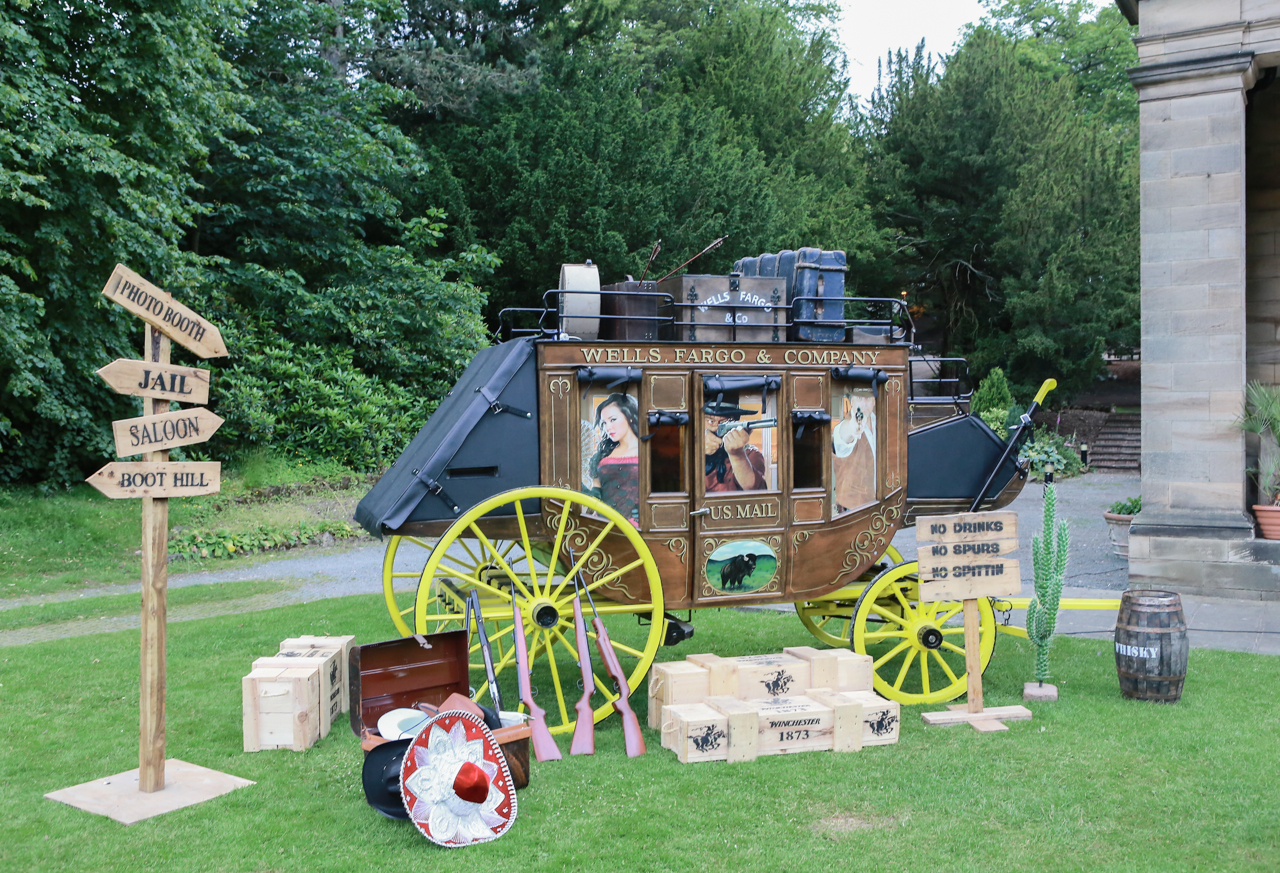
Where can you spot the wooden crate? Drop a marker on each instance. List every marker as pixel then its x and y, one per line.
pixel 674 682
pixel 838 669
pixel 344 644
pixel 281 708
pixel 794 724
pixel 881 718
pixel 722 677
pixel 696 732
pixel 761 676
pixel 847 735
pixel 328 663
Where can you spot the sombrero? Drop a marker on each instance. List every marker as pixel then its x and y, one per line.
pixel 454 782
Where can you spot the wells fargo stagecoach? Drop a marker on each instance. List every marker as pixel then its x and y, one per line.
pixel 699 441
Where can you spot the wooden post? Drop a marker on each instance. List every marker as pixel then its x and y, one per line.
pixel 155 581
pixel 973 654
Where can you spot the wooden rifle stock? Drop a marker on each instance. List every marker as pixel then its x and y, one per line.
pixel 544 745
pixel 584 731
pixel 630 724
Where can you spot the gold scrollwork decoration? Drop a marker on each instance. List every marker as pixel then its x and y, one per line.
pixel 869 544
pixel 679 545
pixel 560 387
pixel 895 385
pixel 800 536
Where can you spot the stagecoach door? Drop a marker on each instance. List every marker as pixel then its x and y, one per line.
pixel 738 517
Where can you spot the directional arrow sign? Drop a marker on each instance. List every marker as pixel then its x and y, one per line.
pixel 169 316
pixel 161 381
pixel 155 433
pixel 124 479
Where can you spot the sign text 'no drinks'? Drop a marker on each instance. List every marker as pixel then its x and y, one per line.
pixel 167 315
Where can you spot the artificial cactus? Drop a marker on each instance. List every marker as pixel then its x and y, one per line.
pixel 1049 559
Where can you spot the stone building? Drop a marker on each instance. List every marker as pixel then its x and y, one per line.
pixel 1210 167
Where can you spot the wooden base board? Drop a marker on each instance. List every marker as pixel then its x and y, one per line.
pixel 987 721
pixel 118 797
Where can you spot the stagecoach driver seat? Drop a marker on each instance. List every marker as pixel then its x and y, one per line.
pixel 732 463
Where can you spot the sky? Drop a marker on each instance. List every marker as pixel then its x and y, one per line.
pixel 871 28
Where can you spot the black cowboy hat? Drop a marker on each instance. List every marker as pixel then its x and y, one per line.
pixel 725 405
pixel 381 778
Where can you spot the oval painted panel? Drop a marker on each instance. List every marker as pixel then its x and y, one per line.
pixel 741 566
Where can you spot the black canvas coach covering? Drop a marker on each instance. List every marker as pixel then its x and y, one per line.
pixel 951 459
pixel 481 440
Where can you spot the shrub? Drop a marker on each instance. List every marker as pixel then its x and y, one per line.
pixel 1047 447
pixel 992 395
pixel 1128 506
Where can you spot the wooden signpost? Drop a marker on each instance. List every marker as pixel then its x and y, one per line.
pixel 154 480
pixel 964 557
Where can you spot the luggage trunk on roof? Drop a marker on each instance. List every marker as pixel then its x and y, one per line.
pixel 481 440
pixel 808 273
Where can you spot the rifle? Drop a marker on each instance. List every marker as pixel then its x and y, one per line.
pixel 584 732
pixel 758 424
pixel 544 745
pixel 486 651
pixel 630 724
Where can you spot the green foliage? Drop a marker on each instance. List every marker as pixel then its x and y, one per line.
pixel 1046 447
pixel 191 543
pixel 992 401
pixel 105 118
pixel 317 401
pixel 1011 198
pixel 1128 506
pixel 1261 415
pixel 995 419
pixel 1049 558
pixel 699 120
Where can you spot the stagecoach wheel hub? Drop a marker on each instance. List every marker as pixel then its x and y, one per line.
pixel 929 636
pixel 544 614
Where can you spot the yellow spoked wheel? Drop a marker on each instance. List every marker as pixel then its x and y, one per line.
pixel 918 648
pixel 828 618
pixel 536 574
pixel 404 559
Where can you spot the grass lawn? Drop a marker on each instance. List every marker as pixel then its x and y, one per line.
pixel 109 605
pixel 1093 783
pixel 79 539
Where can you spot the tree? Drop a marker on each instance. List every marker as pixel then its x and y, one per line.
pixel 105 118
pixel 1012 210
pixel 311 249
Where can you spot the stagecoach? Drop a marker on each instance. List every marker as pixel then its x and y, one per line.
pixel 704 441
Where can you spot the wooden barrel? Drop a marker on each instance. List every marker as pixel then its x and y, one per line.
pixel 1151 645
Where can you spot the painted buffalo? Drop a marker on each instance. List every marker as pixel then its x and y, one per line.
pixel 736 571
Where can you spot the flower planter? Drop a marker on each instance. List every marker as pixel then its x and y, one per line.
pixel 1118 527
pixel 1268 521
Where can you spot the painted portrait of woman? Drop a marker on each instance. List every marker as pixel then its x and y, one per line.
pixel 614 468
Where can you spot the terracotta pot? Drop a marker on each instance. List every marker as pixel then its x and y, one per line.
pixel 1118 526
pixel 1268 521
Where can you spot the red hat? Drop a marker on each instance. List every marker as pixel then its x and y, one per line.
pixel 455 783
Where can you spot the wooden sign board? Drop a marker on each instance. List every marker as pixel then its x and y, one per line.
pixel 964 556
pixel 167 315
pixel 156 433
pixel 159 381
pixel 967 527
pixel 965 581
pixel 125 479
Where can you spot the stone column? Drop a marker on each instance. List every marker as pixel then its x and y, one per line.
pixel 1194 483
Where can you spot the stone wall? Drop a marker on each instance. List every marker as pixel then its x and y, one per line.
pixel 1263 236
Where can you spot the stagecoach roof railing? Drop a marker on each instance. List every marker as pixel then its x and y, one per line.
pixel 897 323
